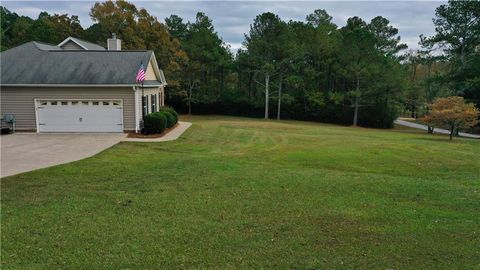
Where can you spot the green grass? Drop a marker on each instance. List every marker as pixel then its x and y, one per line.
pixel 244 193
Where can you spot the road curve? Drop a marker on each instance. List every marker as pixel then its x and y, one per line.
pixel 435 130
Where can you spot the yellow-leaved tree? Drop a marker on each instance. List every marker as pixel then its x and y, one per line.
pixel 453 113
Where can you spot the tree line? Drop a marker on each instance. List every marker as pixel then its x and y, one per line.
pixel 357 74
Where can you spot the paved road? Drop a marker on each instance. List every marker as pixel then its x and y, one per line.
pixel 23 152
pixel 436 130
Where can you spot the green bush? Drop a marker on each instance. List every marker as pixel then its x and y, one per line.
pixel 170 118
pixel 170 110
pixel 154 123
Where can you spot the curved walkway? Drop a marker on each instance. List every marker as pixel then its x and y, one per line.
pixel 170 136
pixel 435 130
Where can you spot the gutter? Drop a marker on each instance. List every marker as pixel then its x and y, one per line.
pixel 78 85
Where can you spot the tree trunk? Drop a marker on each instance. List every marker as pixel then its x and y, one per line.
pixel 222 79
pixel 279 97
pixel 462 58
pixel 190 99
pixel 430 129
pixel 355 113
pixel 267 94
pixel 250 85
pixel 356 104
pixel 414 82
pixel 429 85
pixel 451 132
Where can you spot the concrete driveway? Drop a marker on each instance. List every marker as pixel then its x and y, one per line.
pixel 23 152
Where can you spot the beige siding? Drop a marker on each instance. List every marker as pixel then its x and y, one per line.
pixel 70 45
pixel 19 101
pixel 148 92
pixel 150 73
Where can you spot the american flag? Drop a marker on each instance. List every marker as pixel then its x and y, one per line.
pixel 140 74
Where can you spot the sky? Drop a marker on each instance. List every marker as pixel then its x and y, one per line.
pixel 232 19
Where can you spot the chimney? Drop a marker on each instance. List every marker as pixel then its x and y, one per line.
pixel 114 44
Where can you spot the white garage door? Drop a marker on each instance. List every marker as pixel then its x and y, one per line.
pixel 80 115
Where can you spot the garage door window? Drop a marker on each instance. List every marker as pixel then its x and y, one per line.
pixel 84 102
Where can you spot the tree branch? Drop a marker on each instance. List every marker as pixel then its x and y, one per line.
pixel 259 83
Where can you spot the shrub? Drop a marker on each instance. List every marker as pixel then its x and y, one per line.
pixel 170 110
pixel 154 123
pixel 170 118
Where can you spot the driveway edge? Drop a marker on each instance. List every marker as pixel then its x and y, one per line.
pixel 170 136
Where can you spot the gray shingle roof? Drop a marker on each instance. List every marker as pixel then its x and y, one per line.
pixel 46 47
pixel 37 63
pixel 88 45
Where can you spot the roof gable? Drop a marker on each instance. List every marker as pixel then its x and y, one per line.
pixel 70 45
pixel 67 44
pixel 150 73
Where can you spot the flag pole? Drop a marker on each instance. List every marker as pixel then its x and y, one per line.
pixel 143 98
pixel 141 77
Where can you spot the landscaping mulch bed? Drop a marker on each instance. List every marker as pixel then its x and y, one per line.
pixel 151 136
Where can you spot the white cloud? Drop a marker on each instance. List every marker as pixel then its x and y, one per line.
pixel 31 12
pixel 235 46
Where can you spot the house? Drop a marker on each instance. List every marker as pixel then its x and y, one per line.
pixel 78 86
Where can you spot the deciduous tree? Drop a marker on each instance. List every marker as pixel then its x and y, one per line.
pixel 452 112
pixel 140 30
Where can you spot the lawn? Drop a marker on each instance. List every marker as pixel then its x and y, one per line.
pixel 245 193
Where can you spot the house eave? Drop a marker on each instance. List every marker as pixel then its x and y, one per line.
pixel 78 85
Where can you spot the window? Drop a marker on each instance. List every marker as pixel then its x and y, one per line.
pixel 53 103
pixel 105 103
pixel 153 103
pixel 116 103
pixel 84 102
pixel 95 103
pixel 144 105
pixel 43 103
pixel 74 102
pixel 64 102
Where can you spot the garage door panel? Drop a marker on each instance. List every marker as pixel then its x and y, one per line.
pixel 103 119
pixel 80 118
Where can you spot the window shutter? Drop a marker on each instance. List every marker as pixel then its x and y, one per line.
pixel 152 98
pixel 145 105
